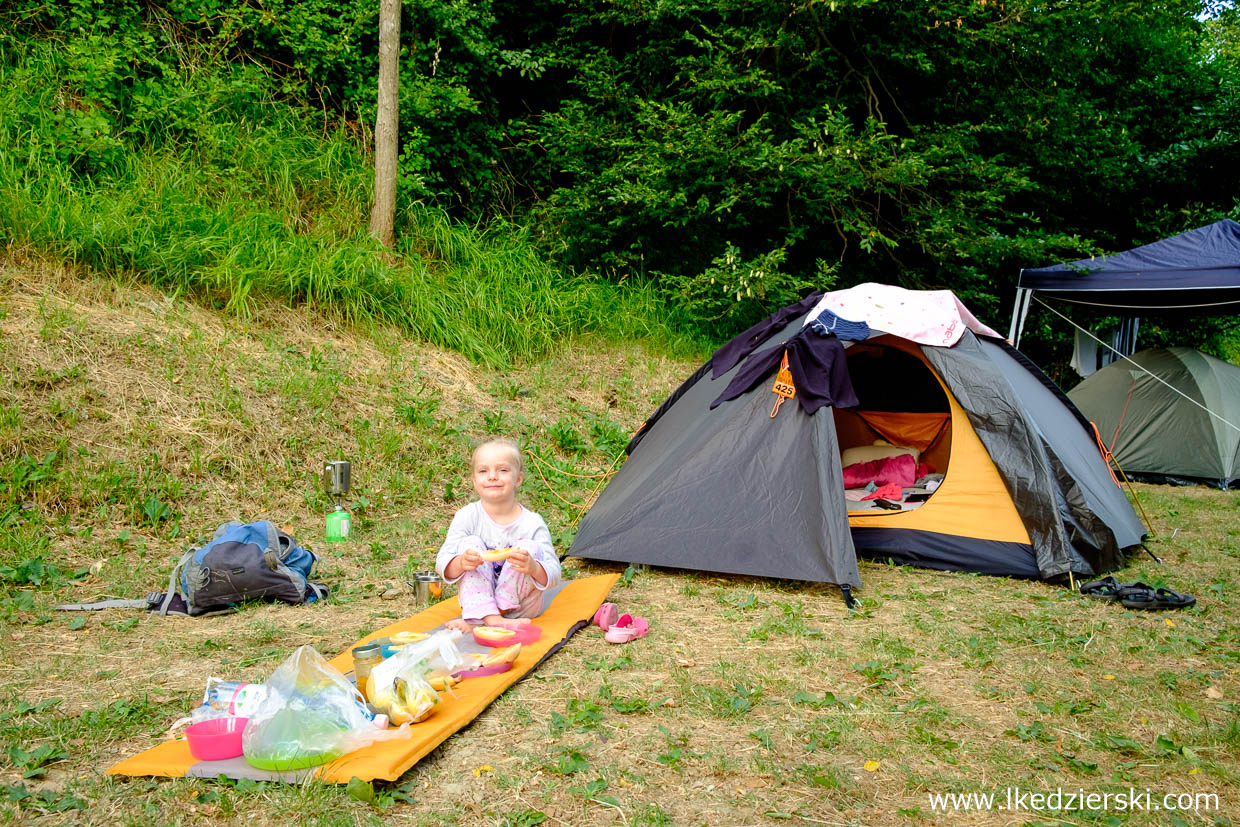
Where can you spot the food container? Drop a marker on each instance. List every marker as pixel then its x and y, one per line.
pixel 366 657
pixel 483 671
pixel 427 588
pixel 216 738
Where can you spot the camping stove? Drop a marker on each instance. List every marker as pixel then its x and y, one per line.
pixel 336 480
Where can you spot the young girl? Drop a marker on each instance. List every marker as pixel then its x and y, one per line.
pixel 510 592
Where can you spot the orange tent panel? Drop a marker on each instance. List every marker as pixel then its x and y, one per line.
pixel 972 501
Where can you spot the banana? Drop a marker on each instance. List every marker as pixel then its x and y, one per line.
pixel 418 701
pixel 402 702
pixel 372 693
pixel 385 701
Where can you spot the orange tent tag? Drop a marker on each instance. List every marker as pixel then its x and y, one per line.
pixel 783 380
pixel 783 387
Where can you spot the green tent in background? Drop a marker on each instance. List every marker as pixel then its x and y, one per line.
pixel 1159 435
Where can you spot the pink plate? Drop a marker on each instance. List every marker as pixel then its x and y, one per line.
pixel 526 634
pixel 483 671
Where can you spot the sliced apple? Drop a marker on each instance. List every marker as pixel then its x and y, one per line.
pixel 409 637
pixel 495 555
pixel 442 683
pixel 494 632
pixel 506 655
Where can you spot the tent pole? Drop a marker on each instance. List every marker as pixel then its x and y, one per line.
pixel 1020 309
pixel 1148 523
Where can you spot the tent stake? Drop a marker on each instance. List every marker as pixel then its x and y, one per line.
pixel 849 600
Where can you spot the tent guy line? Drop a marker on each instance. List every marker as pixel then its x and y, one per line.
pixel 1141 368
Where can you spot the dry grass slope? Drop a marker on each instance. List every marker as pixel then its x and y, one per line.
pixel 750 701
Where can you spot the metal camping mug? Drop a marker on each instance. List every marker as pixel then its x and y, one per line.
pixel 427 588
pixel 336 476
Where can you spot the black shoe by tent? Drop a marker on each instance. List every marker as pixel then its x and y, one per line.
pixel 722 485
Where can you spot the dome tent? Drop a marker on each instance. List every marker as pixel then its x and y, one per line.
pixel 726 487
pixel 1154 413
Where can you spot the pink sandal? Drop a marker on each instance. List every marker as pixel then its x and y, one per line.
pixel 627 628
pixel 606 616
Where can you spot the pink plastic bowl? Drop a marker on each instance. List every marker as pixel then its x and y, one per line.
pixel 215 739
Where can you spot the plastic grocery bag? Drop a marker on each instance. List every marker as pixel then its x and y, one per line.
pixel 400 685
pixel 435 657
pixel 407 700
pixel 310 714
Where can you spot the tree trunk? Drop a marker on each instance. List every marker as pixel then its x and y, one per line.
pixel 383 216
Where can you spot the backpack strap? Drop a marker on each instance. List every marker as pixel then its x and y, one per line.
pixel 172 581
pixel 276 546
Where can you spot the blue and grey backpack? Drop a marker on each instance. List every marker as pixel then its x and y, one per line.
pixel 243 561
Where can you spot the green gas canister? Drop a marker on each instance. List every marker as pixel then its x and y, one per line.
pixel 339 524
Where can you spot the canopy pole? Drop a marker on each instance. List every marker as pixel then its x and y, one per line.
pixel 1019 311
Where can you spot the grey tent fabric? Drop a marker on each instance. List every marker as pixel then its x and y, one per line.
pixel 1100 520
pixel 729 490
pixel 1159 435
pixel 1013 445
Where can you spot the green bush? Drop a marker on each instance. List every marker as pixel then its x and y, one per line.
pixel 241 195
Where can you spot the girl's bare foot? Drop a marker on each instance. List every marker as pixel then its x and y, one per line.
pixel 459 624
pixel 506 622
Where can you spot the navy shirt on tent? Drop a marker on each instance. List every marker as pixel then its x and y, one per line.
pixel 819 371
pixel 730 355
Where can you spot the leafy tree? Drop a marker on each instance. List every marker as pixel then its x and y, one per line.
pixel 729 152
pixel 932 143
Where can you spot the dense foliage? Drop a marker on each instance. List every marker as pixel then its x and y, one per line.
pixel 728 153
pixel 199 175
pixel 935 143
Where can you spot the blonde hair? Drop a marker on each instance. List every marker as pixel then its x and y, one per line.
pixel 517 461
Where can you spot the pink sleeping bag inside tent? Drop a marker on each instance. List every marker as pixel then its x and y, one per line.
pixel 900 470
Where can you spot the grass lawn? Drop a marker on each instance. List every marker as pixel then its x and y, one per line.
pixel 132 423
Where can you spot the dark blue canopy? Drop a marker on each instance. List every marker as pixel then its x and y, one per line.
pixel 1198 270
